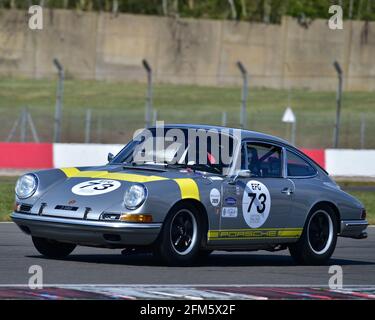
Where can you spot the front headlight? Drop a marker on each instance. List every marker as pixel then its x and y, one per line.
pixel 26 186
pixel 135 196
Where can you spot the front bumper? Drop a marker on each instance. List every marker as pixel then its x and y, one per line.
pixel 354 229
pixel 88 232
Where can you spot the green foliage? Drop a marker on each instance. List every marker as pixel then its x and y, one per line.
pixel 368 199
pixel 6 197
pixel 246 10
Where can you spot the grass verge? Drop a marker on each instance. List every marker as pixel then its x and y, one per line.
pixel 118 109
pixel 6 197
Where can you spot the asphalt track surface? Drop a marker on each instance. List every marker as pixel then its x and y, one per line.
pixel 105 266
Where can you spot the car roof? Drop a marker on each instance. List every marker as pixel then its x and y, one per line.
pixel 246 134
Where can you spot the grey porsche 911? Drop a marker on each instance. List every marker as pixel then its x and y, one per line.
pixel 204 188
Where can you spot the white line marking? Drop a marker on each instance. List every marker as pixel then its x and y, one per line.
pixel 367 286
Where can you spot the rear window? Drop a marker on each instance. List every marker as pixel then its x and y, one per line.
pixel 298 167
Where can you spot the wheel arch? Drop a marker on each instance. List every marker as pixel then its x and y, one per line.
pixel 201 209
pixel 331 205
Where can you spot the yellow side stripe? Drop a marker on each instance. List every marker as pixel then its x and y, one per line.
pixel 251 238
pixel 70 172
pixel 290 233
pixel 248 234
pixel 259 229
pixel 189 188
pixel 75 173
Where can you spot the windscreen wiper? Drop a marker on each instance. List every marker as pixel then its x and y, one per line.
pixel 136 166
pixel 194 167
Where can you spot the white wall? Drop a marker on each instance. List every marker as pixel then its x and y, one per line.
pixel 338 162
pixel 77 155
pixel 346 162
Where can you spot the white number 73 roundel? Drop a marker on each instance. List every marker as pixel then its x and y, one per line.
pixel 256 204
pixel 95 187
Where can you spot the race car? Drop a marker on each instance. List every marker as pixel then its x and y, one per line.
pixel 183 191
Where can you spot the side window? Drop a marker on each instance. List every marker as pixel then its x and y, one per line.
pixel 263 160
pixel 297 167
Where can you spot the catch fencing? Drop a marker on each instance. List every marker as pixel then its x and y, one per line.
pixel 117 126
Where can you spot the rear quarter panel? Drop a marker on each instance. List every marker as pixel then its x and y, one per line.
pixel 311 191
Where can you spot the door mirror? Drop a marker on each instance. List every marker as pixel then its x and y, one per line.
pixel 244 174
pixel 240 174
pixel 110 157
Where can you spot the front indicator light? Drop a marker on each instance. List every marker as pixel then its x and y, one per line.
pixel 364 214
pixel 142 218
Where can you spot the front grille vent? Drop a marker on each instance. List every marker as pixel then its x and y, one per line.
pixel 110 216
pixel 25 207
pixel 68 208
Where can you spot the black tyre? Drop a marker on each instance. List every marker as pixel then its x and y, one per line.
pixel 319 237
pixel 53 249
pixel 181 236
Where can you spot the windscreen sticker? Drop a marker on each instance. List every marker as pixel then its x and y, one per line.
pixel 215 197
pixel 95 187
pixel 256 204
pixel 229 212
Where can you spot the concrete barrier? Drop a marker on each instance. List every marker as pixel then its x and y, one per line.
pixel 318 155
pixel 82 155
pixel 357 163
pixel 26 155
pixel 190 51
pixel 338 162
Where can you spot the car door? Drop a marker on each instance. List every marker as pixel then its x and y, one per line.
pixel 257 207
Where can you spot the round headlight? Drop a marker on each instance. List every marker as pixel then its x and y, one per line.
pixel 135 196
pixel 26 186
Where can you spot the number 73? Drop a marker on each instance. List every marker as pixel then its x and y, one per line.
pixel 262 202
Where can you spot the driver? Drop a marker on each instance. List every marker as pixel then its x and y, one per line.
pixel 253 160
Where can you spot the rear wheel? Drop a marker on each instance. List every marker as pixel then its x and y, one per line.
pixel 180 238
pixel 52 248
pixel 319 237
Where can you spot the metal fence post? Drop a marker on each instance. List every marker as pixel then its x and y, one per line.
pixel 22 121
pixel 149 93
pixel 59 102
pixel 99 129
pixel 338 103
pixel 23 125
pixel 88 126
pixel 363 130
pixel 243 115
pixel 224 119
pixel 13 130
pixel 155 116
pixel 294 129
pixel 32 127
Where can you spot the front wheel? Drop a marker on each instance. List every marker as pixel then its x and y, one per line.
pixel 53 249
pixel 181 236
pixel 318 240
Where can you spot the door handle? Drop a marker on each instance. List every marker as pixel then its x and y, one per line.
pixel 287 191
